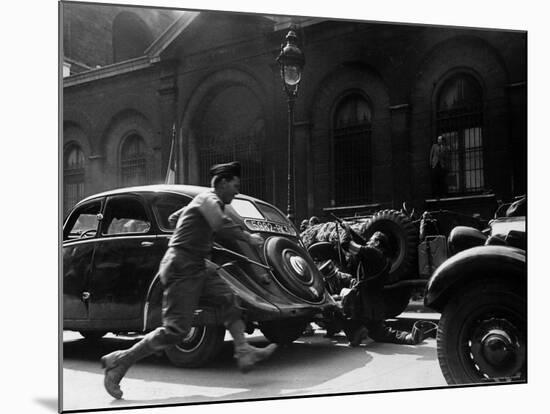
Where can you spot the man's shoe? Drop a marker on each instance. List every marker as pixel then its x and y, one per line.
pixel 117 363
pixel 358 336
pixel 247 355
pixel 420 331
pixel 115 369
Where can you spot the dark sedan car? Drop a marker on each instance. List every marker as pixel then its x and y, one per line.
pixel 113 243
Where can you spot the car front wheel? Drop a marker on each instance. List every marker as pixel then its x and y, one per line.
pixel 200 346
pixel 482 335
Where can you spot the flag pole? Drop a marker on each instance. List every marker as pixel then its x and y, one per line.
pixel 172 163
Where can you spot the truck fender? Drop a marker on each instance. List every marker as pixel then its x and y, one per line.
pixel 502 262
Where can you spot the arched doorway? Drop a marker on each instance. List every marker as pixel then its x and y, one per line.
pixel 352 150
pixel 233 128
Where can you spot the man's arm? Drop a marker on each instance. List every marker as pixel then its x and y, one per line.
pixel 211 209
pixel 173 218
pixel 237 232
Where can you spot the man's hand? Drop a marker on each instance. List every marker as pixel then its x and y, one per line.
pixel 256 239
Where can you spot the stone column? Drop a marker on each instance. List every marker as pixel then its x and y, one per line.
pixel 517 149
pixel 401 169
pixel 303 200
pixel 167 92
pixel 98 180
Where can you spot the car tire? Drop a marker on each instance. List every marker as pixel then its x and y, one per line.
pixel 403 240
pixel 201 345
pixel 482 334
pixel 294 270
pixel 284 331
pixel 92 335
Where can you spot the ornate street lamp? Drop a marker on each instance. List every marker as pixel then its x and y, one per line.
pixel 291 60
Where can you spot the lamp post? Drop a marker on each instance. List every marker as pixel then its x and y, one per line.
pixel 291 60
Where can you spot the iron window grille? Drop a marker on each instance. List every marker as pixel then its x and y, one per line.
pixel 73 177
pixel 133 162
pixel 460 122
pixel 245 149
pixel 352 151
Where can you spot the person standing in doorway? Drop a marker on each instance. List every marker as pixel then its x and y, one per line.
pixel 185 280
pixel 438 167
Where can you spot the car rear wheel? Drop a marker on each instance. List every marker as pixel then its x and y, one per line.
pixel 482 335
pixel 283 332
pixel 200 346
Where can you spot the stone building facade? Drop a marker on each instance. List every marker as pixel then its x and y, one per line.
pixel 372 101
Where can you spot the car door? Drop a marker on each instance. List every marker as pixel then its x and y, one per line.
pixel 125 261
pixel 79 240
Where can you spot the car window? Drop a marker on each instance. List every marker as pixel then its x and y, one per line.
pixel 83 222
pixel 245 208
pixel 125 214
pixel 272 214
pixel 164 205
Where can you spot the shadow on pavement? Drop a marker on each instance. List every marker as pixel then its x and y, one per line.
pixel 324 360
pixel 276 376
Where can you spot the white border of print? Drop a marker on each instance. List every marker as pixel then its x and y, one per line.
pixel 29 202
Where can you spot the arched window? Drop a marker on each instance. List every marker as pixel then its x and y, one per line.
pixel 460 120
pixel 133 161
pixel 73 176
pixel 131 36
pixel 351 143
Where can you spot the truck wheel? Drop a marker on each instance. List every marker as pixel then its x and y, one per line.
pixel 200 346
pixel 396 301
pixel 283 332
pixel 403 240
pixel 482 335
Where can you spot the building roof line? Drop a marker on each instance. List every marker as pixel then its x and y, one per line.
pixel 107 71
pixel 168 36
pixel 151 55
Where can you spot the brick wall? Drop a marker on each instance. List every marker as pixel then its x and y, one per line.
pixel 398 69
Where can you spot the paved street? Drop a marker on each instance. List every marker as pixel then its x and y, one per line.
pixel 312 365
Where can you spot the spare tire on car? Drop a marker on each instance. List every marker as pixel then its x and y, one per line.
pixel 294 269
pixel 403 241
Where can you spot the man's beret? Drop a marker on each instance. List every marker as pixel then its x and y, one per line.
pixel 228 170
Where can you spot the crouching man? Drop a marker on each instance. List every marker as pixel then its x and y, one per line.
pixel 185 280
pixel 364 306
